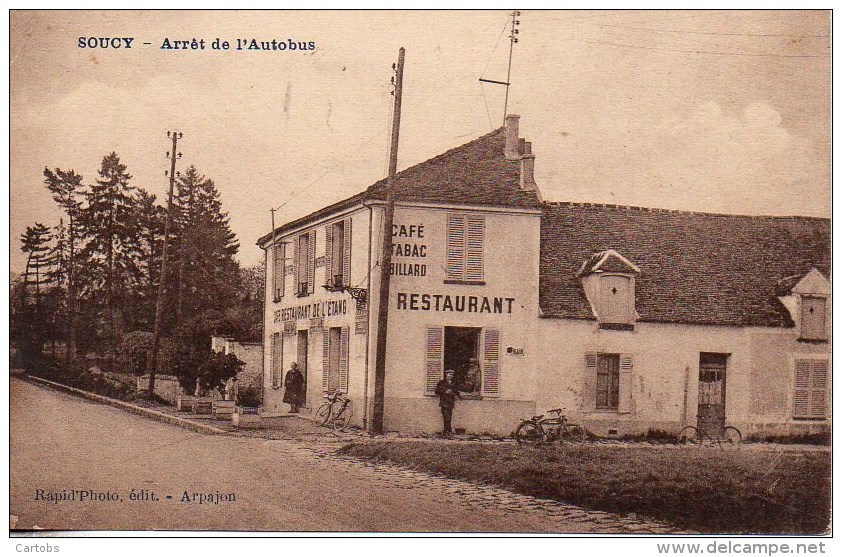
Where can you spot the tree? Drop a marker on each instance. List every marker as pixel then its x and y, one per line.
pixel 35 243
pixel 66 187
pixel 150 219
pixel 110 249
pixel 207 274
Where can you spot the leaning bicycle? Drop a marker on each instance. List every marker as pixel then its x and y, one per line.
pixel 335 411
pixel 541 429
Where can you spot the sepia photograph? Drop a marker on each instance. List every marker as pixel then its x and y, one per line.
pixel 408 272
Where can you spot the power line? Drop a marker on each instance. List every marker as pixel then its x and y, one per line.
pixel 699 51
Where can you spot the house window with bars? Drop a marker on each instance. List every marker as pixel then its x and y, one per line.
pixel 465 239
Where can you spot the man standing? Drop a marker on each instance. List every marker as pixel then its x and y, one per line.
pixel 448 393
pixel 294 393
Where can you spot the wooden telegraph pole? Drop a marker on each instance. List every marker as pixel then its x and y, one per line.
pixel 386 259
pixel 152 363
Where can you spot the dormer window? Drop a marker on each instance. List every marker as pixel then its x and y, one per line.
pixel 813 317
pixel 608 279
pixel 806 297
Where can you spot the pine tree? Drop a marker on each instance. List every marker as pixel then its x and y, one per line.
pixel 150 232
pixel 207 273
pixel 109 231
pixel 35 243
pixel 66 187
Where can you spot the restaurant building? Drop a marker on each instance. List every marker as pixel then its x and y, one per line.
pixel 631 319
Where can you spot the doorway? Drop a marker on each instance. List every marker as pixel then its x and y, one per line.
pixel 461 344
pixel 301 355
pixel 711 412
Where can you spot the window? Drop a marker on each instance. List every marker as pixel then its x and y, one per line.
pixel 278 270
pixel 465 234
pixel 305 263
pixel 813 317
pixel 616 299
pixel 608 383
pixel 810 399
pixel 338 252
pixel 277 359
pixel 335 359
pixel 473 353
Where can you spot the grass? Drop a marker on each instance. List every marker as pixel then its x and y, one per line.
pixel 708 490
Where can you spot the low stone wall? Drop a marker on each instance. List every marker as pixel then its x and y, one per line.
pixel 166 387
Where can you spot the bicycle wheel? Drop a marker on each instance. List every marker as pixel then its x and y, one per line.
pixel 574 434
pixel 690 435
pixel 343 417
pixel 529 433
pixel 322 415
pixel 731 437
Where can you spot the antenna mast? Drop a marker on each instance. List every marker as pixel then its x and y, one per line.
pixel 512 40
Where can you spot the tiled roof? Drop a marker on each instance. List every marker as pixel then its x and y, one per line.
pixel 476 173
pixel 694 267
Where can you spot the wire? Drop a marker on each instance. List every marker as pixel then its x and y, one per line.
pixel 695 51
pixel 493 50
pixel 487 112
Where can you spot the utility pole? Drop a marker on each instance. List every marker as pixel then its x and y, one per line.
pixel 152 363
pixel 386 259
pixel 508 83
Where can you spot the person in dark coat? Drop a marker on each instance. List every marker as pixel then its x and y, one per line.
pixel 448 393
pixel 294 384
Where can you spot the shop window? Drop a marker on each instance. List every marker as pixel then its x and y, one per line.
pixel 813 318
pixel 305 263
pixel 810 397
pixel 607 384
pixel 335 359
pixel 338 251
pixel 465 238
pixel 277 359
pixel 471 352
pixel 278 268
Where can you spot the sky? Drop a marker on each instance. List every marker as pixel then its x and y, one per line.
pixel 714 111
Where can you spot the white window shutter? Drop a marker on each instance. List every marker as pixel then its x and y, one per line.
pixel 589 384
pixel 277 358
pixel 626 385
pixel 343 360
pixel 801 402
pixel 434 362
pixel 819 389
pixel 455 247
pixel 278 253
pixel 329 255
pixel 346 254
pixel 297 272
pixel 491 361
pixel 325 357
pixel 474 247
pixel 311 262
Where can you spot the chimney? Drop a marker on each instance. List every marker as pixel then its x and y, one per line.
pixel 527 171
pixel 512 130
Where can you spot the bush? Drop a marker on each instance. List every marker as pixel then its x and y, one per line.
pixel 133 354
pixel 248 396
pixel 217 370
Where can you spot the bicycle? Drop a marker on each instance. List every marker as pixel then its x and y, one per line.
pixel 336 410
pixel 726 437
pixel 539 429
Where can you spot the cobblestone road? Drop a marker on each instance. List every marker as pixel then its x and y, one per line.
pixel 62 442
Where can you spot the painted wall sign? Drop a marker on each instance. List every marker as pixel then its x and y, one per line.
pixel 407 244
pixel 445 302
pixel 328 308
pixel 512 351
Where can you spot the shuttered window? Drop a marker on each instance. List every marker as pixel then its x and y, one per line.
pixel 338 253
pixel 277 359
pixel 434 360
pixel 608 383
pixel 343 359
pixel 335 359
pixel 810 400
pixel 305 263
pixel 465 239
pixel 278 260
pixel 813 317
pixel 491 361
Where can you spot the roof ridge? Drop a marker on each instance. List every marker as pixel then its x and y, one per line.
pixel 679 211
pixel 439 156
